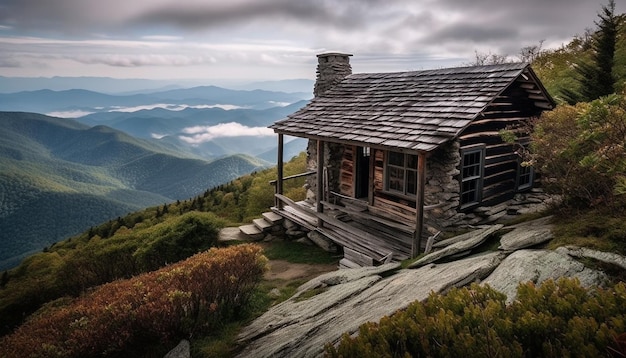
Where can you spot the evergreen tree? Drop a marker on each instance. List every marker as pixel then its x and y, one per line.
pixel 596 77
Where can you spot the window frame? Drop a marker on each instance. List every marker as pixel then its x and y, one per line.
pixel 523 172
pixel 477 178
pixel 406 169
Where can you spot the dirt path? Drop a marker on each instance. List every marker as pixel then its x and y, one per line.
pixel 281 269
pixel 284 270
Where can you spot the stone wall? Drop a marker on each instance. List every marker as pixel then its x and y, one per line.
pixel 442 187
pixel 442 193
pixel 333 153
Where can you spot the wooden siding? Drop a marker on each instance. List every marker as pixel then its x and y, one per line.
pixel 512 108
pixel 347 171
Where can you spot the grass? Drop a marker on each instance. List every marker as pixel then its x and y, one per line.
pixel 598 229
pixel 298 253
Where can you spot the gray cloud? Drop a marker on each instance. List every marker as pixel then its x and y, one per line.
pixel 256 37
pixel 210 15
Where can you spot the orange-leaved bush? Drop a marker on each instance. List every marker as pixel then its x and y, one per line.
pixel 198 294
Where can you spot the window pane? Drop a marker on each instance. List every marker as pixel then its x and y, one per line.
pixel 471 177
pixel 396 179
pixel 411 161
pixel 396 159
pixel 411 182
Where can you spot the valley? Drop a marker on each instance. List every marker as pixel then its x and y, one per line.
pixel 63 174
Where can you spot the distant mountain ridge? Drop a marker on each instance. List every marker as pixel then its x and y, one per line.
pixel 169 126
pixel 59 177
pixel 48 101
pixel 137 85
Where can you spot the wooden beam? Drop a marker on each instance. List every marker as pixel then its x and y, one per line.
pixel 320 180
pixel 280 167
pixel 419 205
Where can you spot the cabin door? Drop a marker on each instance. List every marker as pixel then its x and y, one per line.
pixel 362 172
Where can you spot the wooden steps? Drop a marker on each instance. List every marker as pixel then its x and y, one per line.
pixel 262 225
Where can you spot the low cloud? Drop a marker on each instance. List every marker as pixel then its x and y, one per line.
pixel 202 134
pixel 173 107
pixel 69 114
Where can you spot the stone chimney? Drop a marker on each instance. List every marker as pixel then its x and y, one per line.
pixel 331 69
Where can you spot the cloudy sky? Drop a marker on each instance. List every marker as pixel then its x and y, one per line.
pixel 272 39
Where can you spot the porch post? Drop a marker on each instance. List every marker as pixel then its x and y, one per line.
pixel 279 165
pixel 320 179
pixel 419 205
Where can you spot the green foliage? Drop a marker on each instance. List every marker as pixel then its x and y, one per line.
pixel 585 65
pixel 553 320
pixel 60 177
pixel 595 76
pixel 581 151
pixel 140 241
pixel 298 253
pixel 70 268
pixel 601 229
pixel 191 233
pixel 249 196
pixel 193 296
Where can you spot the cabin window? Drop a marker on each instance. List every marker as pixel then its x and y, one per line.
pixel 525 176
pixel 472 176
pixel 401 173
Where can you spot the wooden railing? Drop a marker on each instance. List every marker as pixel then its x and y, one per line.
pixel 295 176
pixel 279 188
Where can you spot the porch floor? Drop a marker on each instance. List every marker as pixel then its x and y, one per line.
pixel 358 233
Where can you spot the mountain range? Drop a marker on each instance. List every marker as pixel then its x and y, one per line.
pixel 77 102
pixel 97 156
pixel 185 128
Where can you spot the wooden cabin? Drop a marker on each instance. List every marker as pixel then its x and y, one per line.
pixel 398 157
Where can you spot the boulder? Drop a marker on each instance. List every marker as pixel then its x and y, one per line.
pixel 457 245
pixel 322 241
pixel 231 233
pixel 527 234
pixel 583 252
pixel 538 266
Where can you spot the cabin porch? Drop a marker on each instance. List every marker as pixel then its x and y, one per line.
pixel 367 239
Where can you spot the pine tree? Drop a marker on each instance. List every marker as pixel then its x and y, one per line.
pixel 596 77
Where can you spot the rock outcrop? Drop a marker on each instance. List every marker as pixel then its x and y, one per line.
pixel 348 298
pixel 538 266
pixel 338 302
pixel 527 234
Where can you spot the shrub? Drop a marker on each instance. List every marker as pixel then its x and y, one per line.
pixel 581 150
pixel 554 320
pixel 198 294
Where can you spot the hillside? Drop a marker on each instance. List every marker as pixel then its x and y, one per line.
pixel 60 177
pixel 137 242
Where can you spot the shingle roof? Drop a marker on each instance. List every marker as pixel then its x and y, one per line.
pixel 416 110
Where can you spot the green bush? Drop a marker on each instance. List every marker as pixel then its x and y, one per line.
pixel 188 234
pixel 128 252
pixel 199 294
pixel 557 319
pixel 581 151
